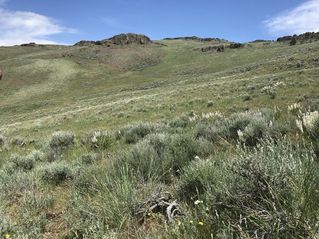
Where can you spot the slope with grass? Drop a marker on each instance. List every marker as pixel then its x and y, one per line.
pixel 160 140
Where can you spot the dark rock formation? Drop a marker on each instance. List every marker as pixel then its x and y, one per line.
pixel 305 37
pixel 260 40
pixel 125 39
pixel 195 38
pixel 29 44
pixel 121 39
pixel 235 45
pixel 285 38
pixel 219 48
pixel 85 43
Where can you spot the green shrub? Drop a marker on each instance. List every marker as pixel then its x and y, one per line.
pixel 254 131
pixel 180 122
pixel 248 128
pixel 56 173
pixel 25 163
pixel 52 155
pixel 88 158
pixel 161 156
pixel 223 129
pixel 100 140
pixel 267 192
pixel 61 140
pixel 12 186
pixel 199 177
pixel 133 133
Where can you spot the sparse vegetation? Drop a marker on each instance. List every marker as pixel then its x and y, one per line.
pixel 55 173
pixel 189 144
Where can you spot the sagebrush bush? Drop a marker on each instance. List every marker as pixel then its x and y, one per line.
pixel 199 177
pixel 88 158
pixel 25 163
pixel 100 140
pixel 248 128
pixel 61 140
pixel 180 122
pixel 133 133
pixel 161 156
pixel 268 192
pixel 52 155
pixel 56 173
pixel 12 186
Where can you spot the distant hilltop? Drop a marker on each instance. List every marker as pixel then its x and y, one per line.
pixel 195 38
pixel 308 36
pixel 121 39
pixel 140 39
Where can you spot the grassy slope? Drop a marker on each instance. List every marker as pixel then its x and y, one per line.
pixel 43 89
pixel 83 89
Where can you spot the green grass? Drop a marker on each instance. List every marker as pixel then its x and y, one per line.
pixel 103 130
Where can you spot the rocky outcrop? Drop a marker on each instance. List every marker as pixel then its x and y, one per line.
pixel 306 37
pixel 235 45
pixel 85 43
pixel 195 38
pixel 29 44
pixel 121 39
pixel 221 48
pixel 130 38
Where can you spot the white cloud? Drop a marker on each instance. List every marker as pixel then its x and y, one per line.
pixel 19 27
pixel 303 18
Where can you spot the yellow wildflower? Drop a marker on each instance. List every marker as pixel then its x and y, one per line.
pixel 191 221
pixel 200 223
pixel 7 236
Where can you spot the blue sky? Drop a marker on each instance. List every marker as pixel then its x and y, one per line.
pixel 68 21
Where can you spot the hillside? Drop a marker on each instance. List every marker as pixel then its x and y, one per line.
pixel 44 84
pixel 100 100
